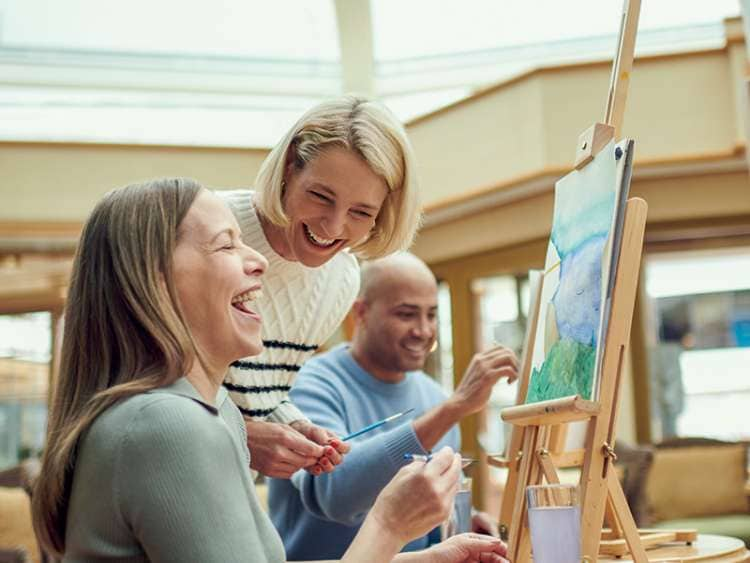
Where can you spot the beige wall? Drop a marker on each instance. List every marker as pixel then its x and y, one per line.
pixel 61 182
pixel 488 164
pixel 480 142
pixel 682 106
pixel 679 107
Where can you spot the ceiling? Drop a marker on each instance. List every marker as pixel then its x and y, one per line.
pixel 239 72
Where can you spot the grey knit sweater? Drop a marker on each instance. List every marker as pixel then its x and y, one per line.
pixel 164 476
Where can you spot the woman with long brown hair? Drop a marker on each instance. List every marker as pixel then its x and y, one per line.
pixel 146 456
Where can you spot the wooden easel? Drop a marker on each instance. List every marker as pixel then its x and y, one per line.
pixel 511 459
pixel 537 441
pixel 600 489
pixel 602 496
pixel 590 143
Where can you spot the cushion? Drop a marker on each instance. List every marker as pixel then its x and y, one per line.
pixel 15 522
pixel 633 466
pixel 704 480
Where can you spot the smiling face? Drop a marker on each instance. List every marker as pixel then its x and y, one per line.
pixel 217 278
pixel 398 323
pixel 331 203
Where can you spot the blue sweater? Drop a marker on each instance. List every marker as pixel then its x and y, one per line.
pixel 318 517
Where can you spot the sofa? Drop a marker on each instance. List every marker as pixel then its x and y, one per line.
pixel 702 484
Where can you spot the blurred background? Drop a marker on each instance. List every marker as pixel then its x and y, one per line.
pixel 493 94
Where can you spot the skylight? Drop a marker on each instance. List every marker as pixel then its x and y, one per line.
pixel 239 72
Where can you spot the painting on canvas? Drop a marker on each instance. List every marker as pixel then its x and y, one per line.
pixel 573 315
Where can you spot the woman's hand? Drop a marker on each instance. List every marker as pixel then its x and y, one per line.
pixel 333 448
pixel 466 548
pixel 278 450
pixel 419 496
pixel 417 499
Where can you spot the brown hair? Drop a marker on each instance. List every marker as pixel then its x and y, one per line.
pixel 124 333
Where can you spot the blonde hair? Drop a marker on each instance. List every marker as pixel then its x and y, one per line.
pixel 371 131
pixel 124 333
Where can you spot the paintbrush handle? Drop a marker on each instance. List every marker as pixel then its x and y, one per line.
pixel 372 426
pixel 375 425
pixel 422 457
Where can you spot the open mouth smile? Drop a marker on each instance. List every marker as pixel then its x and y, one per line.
pixel 241 301
pixel 320 242
pixel 415 348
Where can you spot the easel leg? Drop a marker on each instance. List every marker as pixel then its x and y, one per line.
pixel 610 519
pixel 519 541
pixel 511 483
pixel 519 502
pixel 548 468
pixel 622 514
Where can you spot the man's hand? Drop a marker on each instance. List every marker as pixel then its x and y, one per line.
pixel 483 523
pixel 278 450
pixel 333 447
pixel 484 370
pixel 470 396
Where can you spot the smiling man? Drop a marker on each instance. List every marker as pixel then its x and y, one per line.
pixel 377 375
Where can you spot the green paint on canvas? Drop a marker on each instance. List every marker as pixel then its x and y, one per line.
pixel 567 370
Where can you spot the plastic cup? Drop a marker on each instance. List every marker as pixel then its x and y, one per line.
pixel 459 521
pixel 555 523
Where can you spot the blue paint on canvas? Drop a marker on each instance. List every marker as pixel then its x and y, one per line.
pixel 572 301
pixel 581 216
pixel 578 297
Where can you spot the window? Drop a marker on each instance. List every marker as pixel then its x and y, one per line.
pixel 445 339
pixel 439 364
pixel 502 305
pixel 229 73
pixel 25 351
pixel 239 72
pixel 699 350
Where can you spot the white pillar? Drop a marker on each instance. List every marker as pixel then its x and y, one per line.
pixel 357 49
pixel 745 8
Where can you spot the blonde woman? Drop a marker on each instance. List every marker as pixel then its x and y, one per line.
pixel 146 456
pixel 340 184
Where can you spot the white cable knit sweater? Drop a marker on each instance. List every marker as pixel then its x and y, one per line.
pixel 301 307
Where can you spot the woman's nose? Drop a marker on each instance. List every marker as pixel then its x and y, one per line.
pixel 333 223
pixel 255 263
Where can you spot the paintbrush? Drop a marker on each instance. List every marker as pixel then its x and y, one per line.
pixel 465 461
pixel 375 425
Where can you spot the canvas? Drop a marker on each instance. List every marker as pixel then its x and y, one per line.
pixel 573 315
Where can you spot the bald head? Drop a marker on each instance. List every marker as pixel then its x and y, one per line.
pixel 395 316
pixel 384 275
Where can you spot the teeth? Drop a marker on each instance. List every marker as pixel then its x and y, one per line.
pixel 318 240
pixel 251 295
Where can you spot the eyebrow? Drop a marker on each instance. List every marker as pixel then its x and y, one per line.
pixel 331 193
